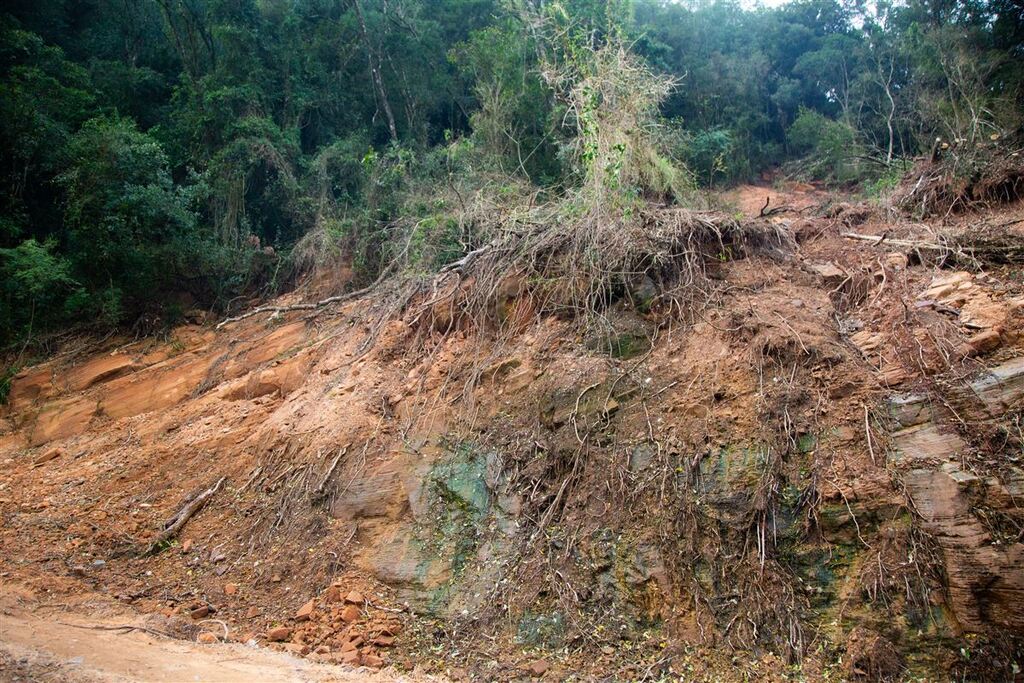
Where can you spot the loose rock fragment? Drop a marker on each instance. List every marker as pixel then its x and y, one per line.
pixel 276 635
pixel 305 612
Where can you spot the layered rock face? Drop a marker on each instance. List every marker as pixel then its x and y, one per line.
pixel 959 499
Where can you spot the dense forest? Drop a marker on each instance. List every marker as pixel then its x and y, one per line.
pixel 162 156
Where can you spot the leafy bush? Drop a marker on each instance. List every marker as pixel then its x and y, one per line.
pixel 829 146
pixel 125 219
pixel 711 154
pixel 36 288
pixel 516 109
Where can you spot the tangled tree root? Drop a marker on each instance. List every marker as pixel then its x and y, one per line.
pixel 965 178
pixel 871 657
pixel 574 267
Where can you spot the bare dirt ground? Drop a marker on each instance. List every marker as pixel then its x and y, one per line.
pixel 814 476
pixel 49 644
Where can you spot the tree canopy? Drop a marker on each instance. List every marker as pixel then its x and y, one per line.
pixel 167 154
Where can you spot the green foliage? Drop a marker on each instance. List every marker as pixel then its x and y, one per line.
pixel 127 223
pixel 514 123
pixel 43 98
pixel 6 376
pixel 831 144
pixel 254 185
pixel 191 151
pixel 884 183
pixel 712 155
pixel 36 288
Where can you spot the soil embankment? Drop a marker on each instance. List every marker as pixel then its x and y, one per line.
pixel 820 468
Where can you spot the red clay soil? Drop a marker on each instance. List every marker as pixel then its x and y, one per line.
pixel 818 473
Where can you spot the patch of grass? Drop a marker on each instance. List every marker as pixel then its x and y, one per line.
pixel 6 379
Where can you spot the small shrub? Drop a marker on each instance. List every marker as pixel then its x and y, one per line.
pixel 37 290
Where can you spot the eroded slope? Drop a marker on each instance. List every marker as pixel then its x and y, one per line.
pixel 820 471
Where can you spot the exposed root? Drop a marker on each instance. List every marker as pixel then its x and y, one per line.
pixel 177 523
pixel 966 178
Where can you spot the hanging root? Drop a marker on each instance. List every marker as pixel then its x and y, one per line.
pixel 566 260
pixel 577 267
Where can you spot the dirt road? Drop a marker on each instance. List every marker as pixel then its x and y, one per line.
pixel 52 646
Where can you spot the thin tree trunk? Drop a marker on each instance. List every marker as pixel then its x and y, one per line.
pixel 892 113
pixel 378 82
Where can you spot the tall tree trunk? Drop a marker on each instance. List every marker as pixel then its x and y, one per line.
pixel 374 61
pixel 888 121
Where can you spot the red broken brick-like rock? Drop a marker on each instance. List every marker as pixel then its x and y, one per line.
pixel 539 667
pixel 391 629
pixel 350 657
pixel 230 588
pixel 383 641
pixel 350 613
pixel 352 643
pixel 252 613
pixel 208 638
pixel 355 597
pixel 983 342
pixel 332 594
pixel 276 635
pixel 305 612
pixel 49 455
pixel 373 661
pixel 200 612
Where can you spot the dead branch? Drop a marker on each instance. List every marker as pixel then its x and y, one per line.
pixel 318 492
pixel 910 244
pixel 967 248
pixel 305 306
pixel 123 628
pixel 772 212
pixel 227 630
pixel 466 260
pixel 311 305
pixel 177 523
